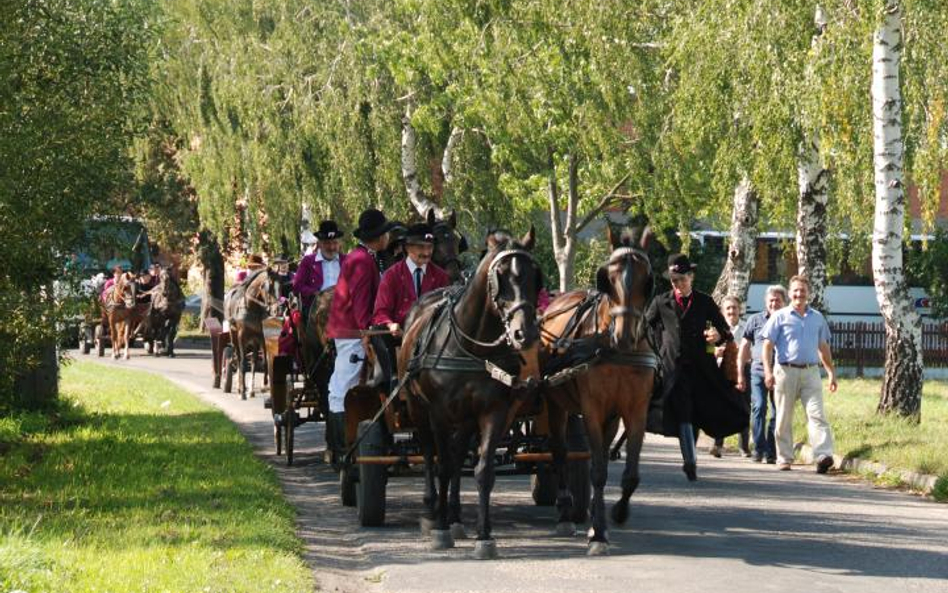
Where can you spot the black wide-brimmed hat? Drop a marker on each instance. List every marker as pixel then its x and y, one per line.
pixel 328 229
pixel 372 224
pixel 678 263
pixel 419 234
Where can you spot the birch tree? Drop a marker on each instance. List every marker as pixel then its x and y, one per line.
pixel 813 196
pixel 902 382
pixel 742 245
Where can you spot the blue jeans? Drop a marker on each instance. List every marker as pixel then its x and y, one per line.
pixel 764 443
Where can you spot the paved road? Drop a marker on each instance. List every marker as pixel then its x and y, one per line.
pixel 741 527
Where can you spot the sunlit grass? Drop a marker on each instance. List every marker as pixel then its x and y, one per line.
pixel 899 444
pixel 137 486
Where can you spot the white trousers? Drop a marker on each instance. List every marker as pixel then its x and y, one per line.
pixel 806 385
pixel 345 374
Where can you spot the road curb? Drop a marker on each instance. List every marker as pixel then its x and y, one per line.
pixel 918 481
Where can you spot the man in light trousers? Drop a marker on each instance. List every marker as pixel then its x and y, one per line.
pixel 800 336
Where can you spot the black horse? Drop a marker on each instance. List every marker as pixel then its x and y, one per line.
pixel 466 361
pixel 164 314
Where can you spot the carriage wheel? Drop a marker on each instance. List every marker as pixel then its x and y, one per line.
pixel 578 469
pixel 278 436
pixel 228 369
pixel 347 485
pixel 372 478
pixel 99 340
pixel 289 427
pixel 543 486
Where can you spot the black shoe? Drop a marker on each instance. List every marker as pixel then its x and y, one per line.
pixel 758 458
pixel 824 463
pixel 771 460
pixel 691 471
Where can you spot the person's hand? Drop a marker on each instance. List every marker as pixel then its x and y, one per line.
pixel 832 379
pixel 769 379
pixel 395 329
pixel 741 384
pixel 711 335
pixel 718 351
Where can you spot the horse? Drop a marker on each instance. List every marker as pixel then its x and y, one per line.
pixel 246 305
pixel 121 310
pixel 598 362
pixel 449 244
pixel 466 364
pixel 164 313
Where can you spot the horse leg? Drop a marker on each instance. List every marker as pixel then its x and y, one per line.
pixel 461 442
pixel 241 357
pixel 441 536
pixel 113 334
pixel 426 441
pixel 127 333
pixel 170 337
pixel 564 498
pixel 635 433
pixel 599 542
pixel 491 426
pixel 253 373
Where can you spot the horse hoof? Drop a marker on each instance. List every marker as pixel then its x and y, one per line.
pixel 243 396
pixel 565 529
pixel 620 512
pixel 457 531
pixel 441 539
pixel 485 549
pixel 598 549
pixel 427 525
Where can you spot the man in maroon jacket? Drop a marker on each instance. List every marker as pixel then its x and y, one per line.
pixel 320 269
pixel 351 313
pixel 408 279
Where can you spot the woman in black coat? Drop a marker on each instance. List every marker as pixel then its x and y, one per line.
pixel 686 325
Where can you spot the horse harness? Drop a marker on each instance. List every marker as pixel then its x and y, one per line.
pixel 576 355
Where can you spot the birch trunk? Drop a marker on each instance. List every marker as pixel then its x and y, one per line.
pixel 564 232
pixel 902 382
pixel 811 222
pixel 742 245
pixel 416 194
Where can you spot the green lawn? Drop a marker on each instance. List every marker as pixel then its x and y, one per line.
pixel 135 485
pixel 860 432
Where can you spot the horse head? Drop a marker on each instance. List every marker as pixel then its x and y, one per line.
pixel 124 292
pixel 261 291
pixel 449 244
pixel 627 282
pixel 513 283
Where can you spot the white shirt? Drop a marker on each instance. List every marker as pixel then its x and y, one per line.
pixel 412 266
pixel 330 270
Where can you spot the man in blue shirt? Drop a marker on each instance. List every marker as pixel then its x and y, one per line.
pixel 800 337
pixel 752 348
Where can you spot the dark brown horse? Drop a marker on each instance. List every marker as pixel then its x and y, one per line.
pixel 246 305
pixel 605 330
pixel 464 362
pixel 164 314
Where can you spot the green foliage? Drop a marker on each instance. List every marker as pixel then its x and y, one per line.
pixel 80 508
pixel 929 268
pixel 73 74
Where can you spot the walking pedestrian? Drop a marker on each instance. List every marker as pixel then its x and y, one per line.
pixel 751 350
pixel 800 336
pixel 731 309
pixel 688 324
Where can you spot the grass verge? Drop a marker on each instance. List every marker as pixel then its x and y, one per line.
pixel 896 443
pixel 135 485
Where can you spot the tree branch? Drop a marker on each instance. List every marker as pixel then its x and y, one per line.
pixel 603 203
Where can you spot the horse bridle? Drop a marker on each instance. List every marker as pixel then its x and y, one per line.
pixel 631 254
pixel 493 291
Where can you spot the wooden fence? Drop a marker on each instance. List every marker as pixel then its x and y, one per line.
pixel 862 345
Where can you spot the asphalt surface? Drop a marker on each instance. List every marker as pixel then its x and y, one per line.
pixel 741 527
